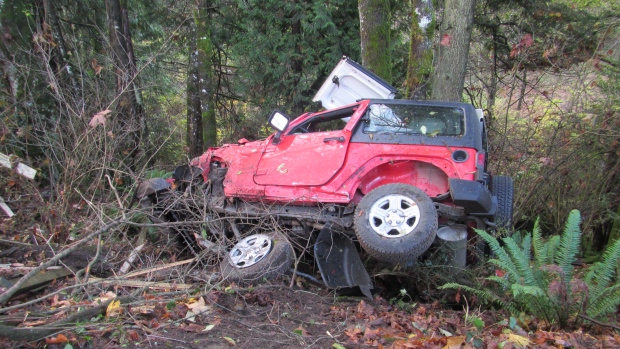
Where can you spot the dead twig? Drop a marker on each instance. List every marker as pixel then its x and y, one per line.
pixel 599 323
pixel 161 267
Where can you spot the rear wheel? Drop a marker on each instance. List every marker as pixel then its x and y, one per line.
pixel 396 222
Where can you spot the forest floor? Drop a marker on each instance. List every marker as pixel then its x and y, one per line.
pixel 170 299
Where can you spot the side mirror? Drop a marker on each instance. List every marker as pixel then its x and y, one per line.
pixel 278 121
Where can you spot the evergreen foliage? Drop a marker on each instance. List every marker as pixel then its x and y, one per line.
pixel 543 284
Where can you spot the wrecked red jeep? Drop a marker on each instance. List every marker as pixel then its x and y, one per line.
pixel 377 176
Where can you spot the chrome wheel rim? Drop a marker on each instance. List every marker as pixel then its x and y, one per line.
pixel 394 216
pixel 250 251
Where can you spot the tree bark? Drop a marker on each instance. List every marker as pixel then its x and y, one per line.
pixel 453 50
pixel 130 113
pixel 201 121
pixel 375 37
pixel 420 55
pixel 195 141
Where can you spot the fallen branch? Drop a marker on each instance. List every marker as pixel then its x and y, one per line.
pixel 9 293
pixel 161 267
pixel 134 253
pixel 138 283
pixel 31 334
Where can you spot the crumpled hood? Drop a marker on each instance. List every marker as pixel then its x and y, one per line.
pixel 242 157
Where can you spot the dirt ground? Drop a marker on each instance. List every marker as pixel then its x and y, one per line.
pixel 273 314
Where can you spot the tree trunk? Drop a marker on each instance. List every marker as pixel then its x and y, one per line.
pixel 420 55
pixel 375 37
pixel 202 125
pixel 453 51
pixel 130 113
pixel 195 141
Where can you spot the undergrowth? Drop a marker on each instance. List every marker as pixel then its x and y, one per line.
pixel 537 276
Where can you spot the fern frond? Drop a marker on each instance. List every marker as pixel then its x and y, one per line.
pixel 526 246
pixel 521 261
pixel 605 302
pixel 569 243
pixel 504 283
pixel 551 248
pixel 540 248
pixel 481 294
pixel 503 260
pixel 601 274
pixel 534 291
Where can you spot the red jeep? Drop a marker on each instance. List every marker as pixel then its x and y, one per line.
pixel 382 172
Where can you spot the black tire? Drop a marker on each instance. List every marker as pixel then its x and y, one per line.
pixel 380 239
pixel 503 188
pixel 276 262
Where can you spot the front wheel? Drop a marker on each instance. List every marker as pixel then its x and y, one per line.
pixel 256 257
pixel 396 222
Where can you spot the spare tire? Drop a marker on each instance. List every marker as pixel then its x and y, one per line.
pixel 396 222
pixel 503 188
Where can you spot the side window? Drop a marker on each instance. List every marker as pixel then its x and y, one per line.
pixel 414 119
pixel 332 121
pixel 383 120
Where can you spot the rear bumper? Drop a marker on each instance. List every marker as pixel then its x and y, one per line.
pixel 473 196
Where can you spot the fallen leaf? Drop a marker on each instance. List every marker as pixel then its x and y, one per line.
pixel 114 308
pixel 454 342
pixel 61 338
pixel 99 118
pixel 199 306
pixel 104 297
pixel 134 335
pixel 208 328
pixel 230 341
pixel 520 341
pixel 301 331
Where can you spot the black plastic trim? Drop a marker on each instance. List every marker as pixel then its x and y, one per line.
pixel 473 196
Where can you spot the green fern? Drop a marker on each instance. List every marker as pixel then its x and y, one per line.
pixel 540 248
pixel 537 286
pixel 603 296
pixel 503 260
pixel 521 260
pixel 569 244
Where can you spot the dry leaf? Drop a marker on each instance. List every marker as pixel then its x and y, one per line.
pixel 96 67
pixel 520 341
pixel 61 338
pixel 197 308
pixel 99 118
pixel 104 297
pixel 454 342
pixel 230 341
pixel 114 308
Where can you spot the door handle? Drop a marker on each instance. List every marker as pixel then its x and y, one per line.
pixel 337 139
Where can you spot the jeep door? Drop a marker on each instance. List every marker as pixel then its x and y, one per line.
pixel 310 153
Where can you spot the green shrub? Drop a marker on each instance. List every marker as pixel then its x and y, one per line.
pixel 537 276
